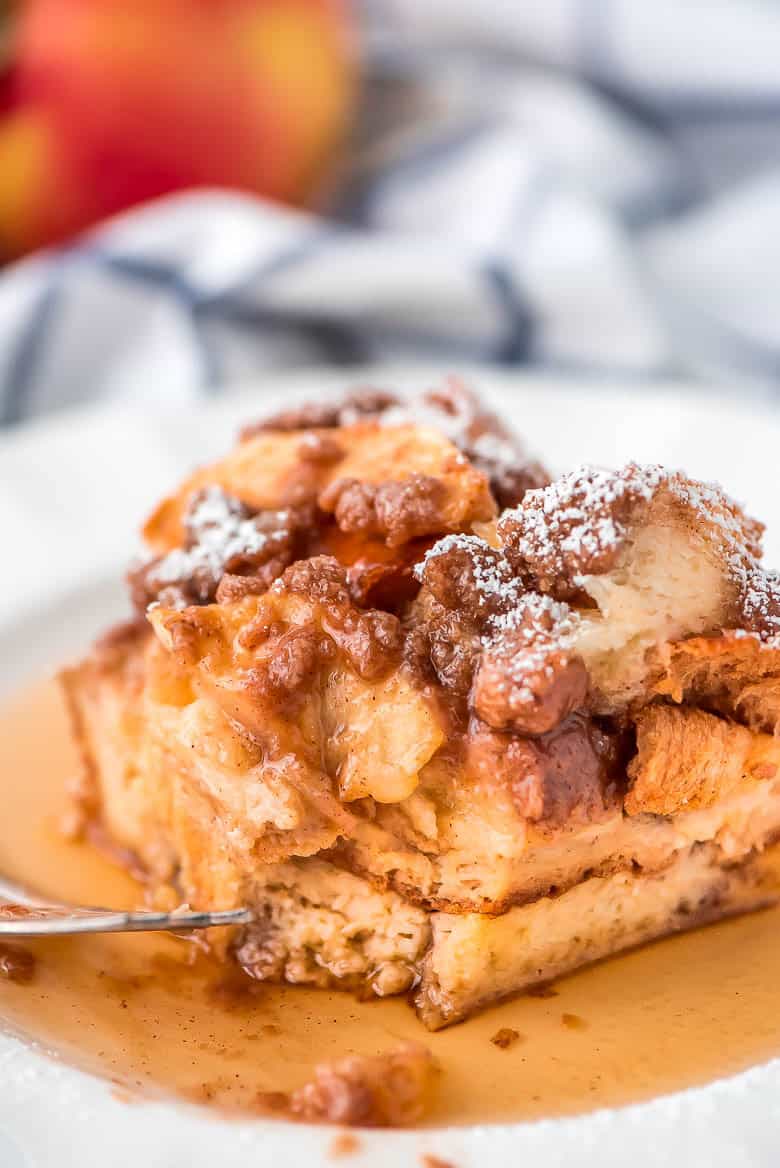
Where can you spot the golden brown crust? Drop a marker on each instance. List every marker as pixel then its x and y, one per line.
pixel 731 674
pixel 114 663
pixel 685 760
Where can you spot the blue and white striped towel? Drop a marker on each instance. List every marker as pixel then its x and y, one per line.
pixel 587 185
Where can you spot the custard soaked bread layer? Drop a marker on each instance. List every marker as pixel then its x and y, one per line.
pixel 415 703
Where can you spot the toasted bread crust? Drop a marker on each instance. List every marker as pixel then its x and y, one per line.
pixel 685 760
pixel 732 674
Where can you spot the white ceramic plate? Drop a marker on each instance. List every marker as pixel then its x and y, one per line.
pixel 72 491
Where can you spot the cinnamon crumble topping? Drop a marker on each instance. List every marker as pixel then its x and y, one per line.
pixel 464 572
pixel 386 1090
pixel 570 774
pixel 360 403
pixel 510 650
pixel 465 583
pixel 529 679
pixel 371 639
pixel 505 1037
pixel 17 964
pixel 223 539
pixel 320 578
pixel 484 439
pixel 397 511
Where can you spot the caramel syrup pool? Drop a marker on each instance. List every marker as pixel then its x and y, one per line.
pixel 134 1010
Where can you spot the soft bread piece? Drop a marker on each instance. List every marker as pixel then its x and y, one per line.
pixel 169 775
pixel 374 733
pixel 106 696
pixel 318 925
pixel 466 874
pixel 662 588
pixel 661 555
pixel 476 960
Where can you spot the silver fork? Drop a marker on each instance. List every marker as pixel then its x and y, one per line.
pixel 25 914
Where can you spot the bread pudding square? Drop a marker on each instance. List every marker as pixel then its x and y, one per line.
pixel 449 727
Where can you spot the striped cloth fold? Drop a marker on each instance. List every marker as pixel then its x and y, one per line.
pixel 588 186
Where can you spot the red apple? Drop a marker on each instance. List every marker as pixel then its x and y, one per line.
pixel 112 102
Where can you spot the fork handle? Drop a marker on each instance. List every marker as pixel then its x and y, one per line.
pixel 26 914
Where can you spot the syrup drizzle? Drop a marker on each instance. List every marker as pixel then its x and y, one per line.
pixel 153 1016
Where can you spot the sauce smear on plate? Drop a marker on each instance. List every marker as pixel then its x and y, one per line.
pixel 152 1014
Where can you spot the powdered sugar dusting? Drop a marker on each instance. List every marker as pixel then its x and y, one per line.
pixel 496 449
pixel 518 596
pixel 578 526
pixel 581 519
pixel 524 634
pixel 737 539
pixel 761 604
pixel 531 641
pixel 495 583
pixel 713 506
pixel 219 532
pixel 535 611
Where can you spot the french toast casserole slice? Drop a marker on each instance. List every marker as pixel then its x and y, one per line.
pixel 448 727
